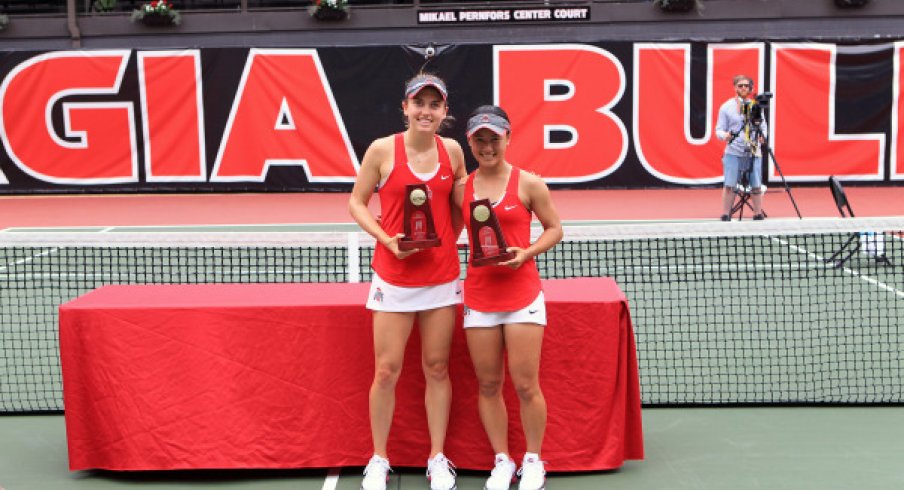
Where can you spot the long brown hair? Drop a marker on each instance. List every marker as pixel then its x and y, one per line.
pixel 449 120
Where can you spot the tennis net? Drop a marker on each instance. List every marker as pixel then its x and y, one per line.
pixel 724 313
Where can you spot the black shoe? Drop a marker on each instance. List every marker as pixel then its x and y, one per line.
pixel 759 217
pixel 725 217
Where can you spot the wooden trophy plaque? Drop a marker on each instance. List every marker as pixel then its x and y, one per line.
pixel 420 231
pixel 489 243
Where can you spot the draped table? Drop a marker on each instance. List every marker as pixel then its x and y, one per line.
pixel 164 377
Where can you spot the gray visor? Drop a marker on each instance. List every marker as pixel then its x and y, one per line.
pixel 493 122
pixel 420 82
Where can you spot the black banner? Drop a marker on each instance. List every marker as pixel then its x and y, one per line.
pixel 620 114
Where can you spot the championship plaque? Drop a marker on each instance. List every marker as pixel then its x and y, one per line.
pixel 489 244
pixel 419 229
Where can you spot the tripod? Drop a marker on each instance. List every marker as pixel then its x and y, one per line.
pixel 743 188
pixel 743 191
pixel 768 151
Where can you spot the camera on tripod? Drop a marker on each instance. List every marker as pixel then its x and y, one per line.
pixel 753 110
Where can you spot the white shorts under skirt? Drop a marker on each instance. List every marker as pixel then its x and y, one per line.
pixel 532 313
pixel 389 297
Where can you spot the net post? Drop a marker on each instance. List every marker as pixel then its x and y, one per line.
pixel 354 258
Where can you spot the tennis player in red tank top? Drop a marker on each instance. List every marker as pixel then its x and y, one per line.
pixel 504 307
pixel 409 284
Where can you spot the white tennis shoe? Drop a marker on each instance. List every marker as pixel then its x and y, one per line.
pixel 532 473
pixel 502 475
pixel 376 474
pixel 440 473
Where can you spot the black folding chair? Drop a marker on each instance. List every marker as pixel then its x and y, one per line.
pixel 854 243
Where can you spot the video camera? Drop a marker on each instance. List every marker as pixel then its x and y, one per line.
pixel 753 110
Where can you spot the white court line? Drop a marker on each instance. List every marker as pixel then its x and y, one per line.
pixel 28 259
pixel 332 478
pixel 847 270
pixel 715 268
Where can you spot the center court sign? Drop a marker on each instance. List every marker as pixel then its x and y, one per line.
pixel 480 16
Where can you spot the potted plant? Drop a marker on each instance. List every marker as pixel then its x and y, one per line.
pixel 156 13
pixel 678 5
pixel 104 5
pixel 329 9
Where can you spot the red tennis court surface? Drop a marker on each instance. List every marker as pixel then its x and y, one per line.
pixel 296 208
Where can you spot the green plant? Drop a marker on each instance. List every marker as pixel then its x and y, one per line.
pixel 103 5
pixel 329 9
pixel 4 20
pixel 156 13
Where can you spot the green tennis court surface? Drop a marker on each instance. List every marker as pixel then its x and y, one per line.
pixel 686 449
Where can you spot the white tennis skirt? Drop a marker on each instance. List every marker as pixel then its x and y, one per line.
pixel 389 297
pixel 532 313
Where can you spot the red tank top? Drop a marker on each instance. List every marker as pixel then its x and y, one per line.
pixel 495 288
pixel 430 266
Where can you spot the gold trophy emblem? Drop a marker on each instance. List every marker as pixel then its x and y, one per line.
pixel 419 229
pixel 489 243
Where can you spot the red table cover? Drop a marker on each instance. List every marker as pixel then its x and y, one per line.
pixel 160 377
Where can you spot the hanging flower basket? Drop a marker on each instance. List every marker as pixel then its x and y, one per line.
pixel 156 14
pixel 156 20
pixel 850 3
pixel 329 10
pixel 677 5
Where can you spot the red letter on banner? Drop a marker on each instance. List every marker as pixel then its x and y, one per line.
pixel 897 116
pixel 172 113
pixel 284 114
pixel 100 138
pixel 803 119
pixel 564 90
pixel 662 133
